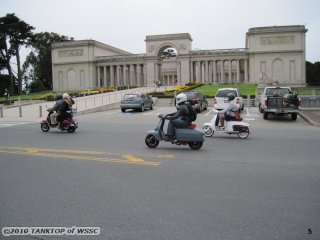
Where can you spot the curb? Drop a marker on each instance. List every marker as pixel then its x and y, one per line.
pixel 100 109
pixel 308 120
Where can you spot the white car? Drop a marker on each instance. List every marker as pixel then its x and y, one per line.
pixel 221 99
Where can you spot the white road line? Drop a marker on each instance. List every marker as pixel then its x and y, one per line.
pixel 9 124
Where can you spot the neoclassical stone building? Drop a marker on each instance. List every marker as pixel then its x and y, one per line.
pixel 274 53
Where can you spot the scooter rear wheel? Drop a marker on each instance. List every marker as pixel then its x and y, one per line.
pixel 208 131
pixel 195 145
pixel 244 133
pixel 45 127
pixel 151 141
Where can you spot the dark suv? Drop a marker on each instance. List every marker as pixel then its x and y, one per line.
pixel 197 100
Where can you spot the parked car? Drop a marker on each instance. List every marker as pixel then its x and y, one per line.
pixel 197 100
pixel 221 99
pixel 137 101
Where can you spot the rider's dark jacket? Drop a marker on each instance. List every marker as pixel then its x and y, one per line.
pixel 182 113
pixel 65 106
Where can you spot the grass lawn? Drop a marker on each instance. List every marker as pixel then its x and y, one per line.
pixel 30 96
pixel 211 90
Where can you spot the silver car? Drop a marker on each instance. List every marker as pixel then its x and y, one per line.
pixel 137 101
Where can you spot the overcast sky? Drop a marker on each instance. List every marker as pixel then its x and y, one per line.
pixel 125 23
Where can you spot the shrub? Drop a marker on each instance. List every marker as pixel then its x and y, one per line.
pixel 161 94
pixel 48 97
pixel 104 90
pixel 190 84
pixel 196 85
pixel 91 92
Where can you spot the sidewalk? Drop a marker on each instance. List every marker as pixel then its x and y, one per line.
pixel 100 102
pixel 311 116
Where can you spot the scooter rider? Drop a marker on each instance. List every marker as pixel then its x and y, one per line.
pixel 229 113
pixel 65 106
pixel 178 119
pixel 56 108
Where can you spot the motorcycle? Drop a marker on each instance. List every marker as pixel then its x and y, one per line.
pixel 239 127
pixel 69 124
pixel 184 136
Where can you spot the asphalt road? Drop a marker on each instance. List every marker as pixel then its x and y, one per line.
pixel 103 175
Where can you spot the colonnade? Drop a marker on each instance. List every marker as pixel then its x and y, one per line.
pixel 168 79
pixel 206 71
pixel 219 71
pixel 121 75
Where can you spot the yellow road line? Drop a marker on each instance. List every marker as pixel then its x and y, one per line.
pixel 129 159
pixel 84 152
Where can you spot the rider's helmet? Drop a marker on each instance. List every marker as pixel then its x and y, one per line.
pixel 65 95
pixel 231 97
pixel 181 98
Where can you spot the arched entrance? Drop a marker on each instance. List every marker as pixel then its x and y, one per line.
pixel 168 65
pixel 165 58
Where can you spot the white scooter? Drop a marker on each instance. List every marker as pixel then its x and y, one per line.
pixel 239 127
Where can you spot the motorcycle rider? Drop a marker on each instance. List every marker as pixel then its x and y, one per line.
pixel 56 108
pixel 178 119
pixel 229 113
pixel 64 108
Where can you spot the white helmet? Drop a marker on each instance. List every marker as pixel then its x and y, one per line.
pixel 181 98
pixel 65 95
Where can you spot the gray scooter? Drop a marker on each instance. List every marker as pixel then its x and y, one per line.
pixel 184 136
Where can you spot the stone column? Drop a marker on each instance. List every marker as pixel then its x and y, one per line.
pixel 246 79
pixel 191 72
pixel 203 74
pixel 210 72
pixel 230 71
pixel 138 75
pixel 118 76
pixel 111 77
pixel 104 76
pixel 159 72
pixel 145 79
pixel 222 71
pixel 156 73
pixel 238 72
pixel 197 71
pixel 98 82
pixel 132 78
pixel 206 72
pixel 214 70
pixel 125 75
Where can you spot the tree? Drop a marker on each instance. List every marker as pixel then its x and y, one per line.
pixel 313 73
pixel 39 59
pixel 14 33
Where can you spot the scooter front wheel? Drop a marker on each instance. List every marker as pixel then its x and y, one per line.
pixel 45 127
pixel 151 141
pixel 244 133
pixel 71 129
pixel 207 131
pixel 195 145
